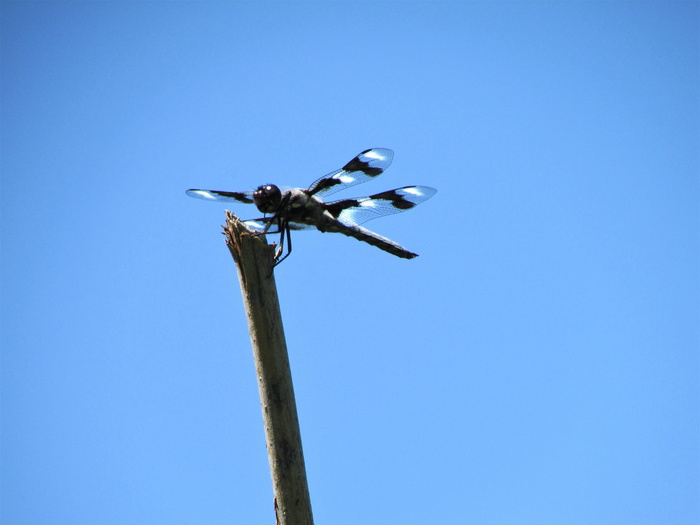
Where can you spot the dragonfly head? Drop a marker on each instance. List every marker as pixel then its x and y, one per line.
pixel 267 198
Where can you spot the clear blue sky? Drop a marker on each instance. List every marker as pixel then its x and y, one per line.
pixel 539 363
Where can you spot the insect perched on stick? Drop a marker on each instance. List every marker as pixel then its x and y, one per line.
pixel 299 209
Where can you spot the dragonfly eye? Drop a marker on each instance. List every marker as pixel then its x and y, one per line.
pixel 267 198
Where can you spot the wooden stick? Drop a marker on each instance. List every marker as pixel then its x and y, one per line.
pixel 254 260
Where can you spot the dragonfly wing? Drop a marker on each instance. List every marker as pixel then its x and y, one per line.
pixel 352 212
pixel 367 165
pixel 260 224
pixel 245 197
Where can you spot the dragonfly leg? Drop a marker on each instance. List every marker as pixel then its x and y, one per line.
pixel 284 230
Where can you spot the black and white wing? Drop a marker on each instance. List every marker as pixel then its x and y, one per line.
pixel 367 165
pixel 261 224
pixel 352 212
pixel 246 197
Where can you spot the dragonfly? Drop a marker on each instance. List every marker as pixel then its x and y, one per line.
pixel 304 209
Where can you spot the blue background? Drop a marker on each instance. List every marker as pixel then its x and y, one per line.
pixel 538 363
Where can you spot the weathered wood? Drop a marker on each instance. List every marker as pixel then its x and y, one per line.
pixel 254 260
